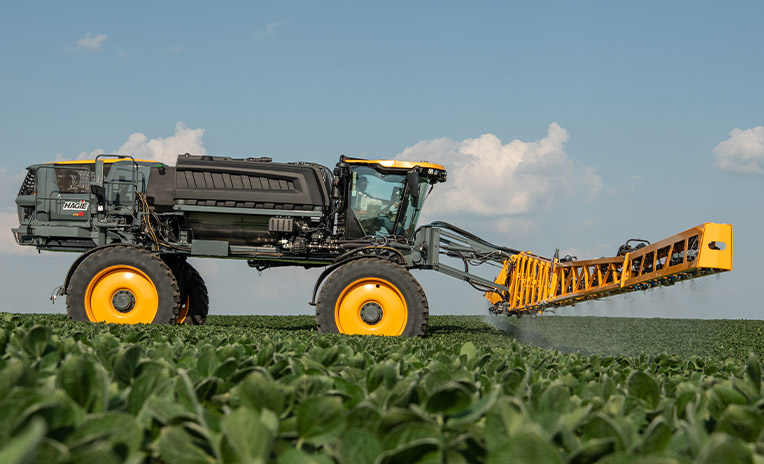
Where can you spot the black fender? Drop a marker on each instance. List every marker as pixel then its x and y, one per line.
pixel 81 258
pixel 334 266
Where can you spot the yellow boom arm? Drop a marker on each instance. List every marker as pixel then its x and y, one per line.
pixel 536 283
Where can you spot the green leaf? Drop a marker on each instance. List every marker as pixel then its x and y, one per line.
pixel 186 394
pixel 294 456
pixel 15 373
pixel 177 447
pixel 363 415
pixel 476 410
pixel 526 447
pixel 753 372
pixel 99 452
pixel 451 398
pixel 208 361
pixel 505 420
pixel 383 373
pixel 410 432
pixel 592 450
pixel 118 429
pixel 226 370
pixel 555 399
pixel 720 397
pixel 469 349
pixel 246 436
pixel 126 363
pixel 37 340
pixel 84 382
pixel 320 419
pixel 642 385
pixel 156 384
pixel 329 355
pixel 657 437
pixel 625 458
pixel 741 422
pixel 422 451
pixel 602 426
pixel 724 449
pixel 51 451
pixel 397 416
pixel 258 392
pixel 359 446
pixel 23 447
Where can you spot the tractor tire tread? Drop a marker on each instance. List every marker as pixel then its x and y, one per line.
pixel 114 255
pixel 416 299
pixel 190 280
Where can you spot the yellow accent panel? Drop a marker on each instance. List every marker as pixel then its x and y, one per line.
pixel 535 282
pixel 396 164
pixel 102 288
pixel 347 311
pixel 716 237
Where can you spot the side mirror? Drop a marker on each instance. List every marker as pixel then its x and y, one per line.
pixel 412 180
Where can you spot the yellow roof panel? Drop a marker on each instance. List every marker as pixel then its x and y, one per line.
pixel 106 161
pixel 397 164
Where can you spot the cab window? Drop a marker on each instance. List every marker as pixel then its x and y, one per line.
pixel 73 180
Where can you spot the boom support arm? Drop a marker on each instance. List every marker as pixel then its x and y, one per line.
pixel 528 283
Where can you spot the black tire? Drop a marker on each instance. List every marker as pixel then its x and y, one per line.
pixel 193 292
pixel 101 273
pixel 343 298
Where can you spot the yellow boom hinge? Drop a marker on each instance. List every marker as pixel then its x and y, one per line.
pixel 536 283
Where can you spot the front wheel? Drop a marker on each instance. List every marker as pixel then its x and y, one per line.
pixel 124 285
pixel 372 296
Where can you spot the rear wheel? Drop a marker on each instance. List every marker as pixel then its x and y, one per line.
pixel 194 301
pixel 372 297
pixel 123 285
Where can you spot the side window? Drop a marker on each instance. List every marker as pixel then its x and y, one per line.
pixel 73 180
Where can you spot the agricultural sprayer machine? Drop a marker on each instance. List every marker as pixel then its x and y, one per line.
pixel 136 222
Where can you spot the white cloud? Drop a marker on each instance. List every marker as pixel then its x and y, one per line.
pixel 91 42
pixel 270 29
pixel 491 179
pixel 162 149
pixel 166 150
pixel 743 152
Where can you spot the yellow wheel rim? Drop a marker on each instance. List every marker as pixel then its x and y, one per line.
pixel 183 313
pixel 123 295
pixel 371 306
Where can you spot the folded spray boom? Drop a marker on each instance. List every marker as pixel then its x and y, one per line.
pixel 535 283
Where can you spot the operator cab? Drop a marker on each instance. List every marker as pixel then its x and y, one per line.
pixel 385 197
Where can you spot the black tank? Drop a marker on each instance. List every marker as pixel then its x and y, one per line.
pixel 205 183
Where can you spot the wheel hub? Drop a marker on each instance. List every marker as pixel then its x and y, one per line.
pixel 371 313
pixel 123 301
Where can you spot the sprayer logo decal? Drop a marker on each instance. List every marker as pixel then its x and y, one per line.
pixel 76 205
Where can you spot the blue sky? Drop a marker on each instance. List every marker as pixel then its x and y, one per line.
pixel 622 114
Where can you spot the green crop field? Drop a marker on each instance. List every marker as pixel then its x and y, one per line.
pixel 271 389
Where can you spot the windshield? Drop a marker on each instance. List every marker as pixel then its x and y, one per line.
pixel 376 200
